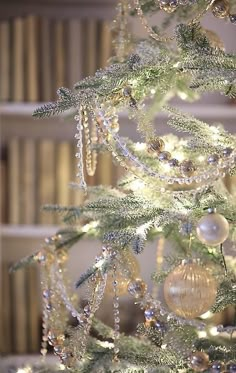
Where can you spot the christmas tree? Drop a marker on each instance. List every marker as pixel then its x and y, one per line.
pixel 173 189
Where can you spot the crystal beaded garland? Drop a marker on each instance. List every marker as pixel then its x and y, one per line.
pixel 189 290
pixel 212 229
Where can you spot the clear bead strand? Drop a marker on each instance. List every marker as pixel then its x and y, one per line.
pixel 44 285
pixel 152 33
pixel 79 154
pixel 211 175
pixel 116 314
pixel 91 155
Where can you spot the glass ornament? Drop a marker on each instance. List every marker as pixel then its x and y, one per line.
pixel 128 270
pixel 212 229
pixel 137 288
pixel 189 290
pixel 156 144
pixel 199 361
pixel 220 8
pixel 216 367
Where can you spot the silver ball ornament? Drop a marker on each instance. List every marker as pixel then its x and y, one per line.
pixel 212 229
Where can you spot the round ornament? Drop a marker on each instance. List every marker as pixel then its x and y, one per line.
pixel 156 144
pixel 127 269
pixel 189 290
pixel 220 8
pixel 212 229
pixel 216 367
pixel 199 361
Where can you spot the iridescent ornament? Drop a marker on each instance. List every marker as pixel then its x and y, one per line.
pixel 220 8
pixel 156 144
pixel 212 229
pixel 189 290
pixel 137 288
pixel 199 361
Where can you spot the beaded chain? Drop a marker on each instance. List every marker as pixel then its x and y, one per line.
pixel 116 313
pixel 90 139
pixel 211 175
pixel 150 30
pixel 79 154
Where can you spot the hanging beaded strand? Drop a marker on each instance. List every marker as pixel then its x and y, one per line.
pixel 90 139
pixel 120 26
pixel 150 30
pixel 79 154
pixel 212 174
pixel 116 314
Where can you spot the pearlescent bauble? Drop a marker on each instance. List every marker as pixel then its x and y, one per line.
pixel 137 288
pixel 199 361
pixel 127 269
pixel 212 229
pixel 189 290
pixel 164 156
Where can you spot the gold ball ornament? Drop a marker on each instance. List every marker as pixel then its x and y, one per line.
pixel 156 145
pixel 127 269
pixel 220 8
pixel 212 229
pixel 189 290
pixel 199 361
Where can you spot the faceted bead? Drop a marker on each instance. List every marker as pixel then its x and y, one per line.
pixel 160 326
pixel 199 361
pixel 127 91
pixel 232 18
pixel 137 288
pixel 216 367
pixel 187 168
pixel 227 152
pixel 164 156
pixel 168 6
pixel 149 314
pixel 213 159
pixel 173 162
pixel 47 293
